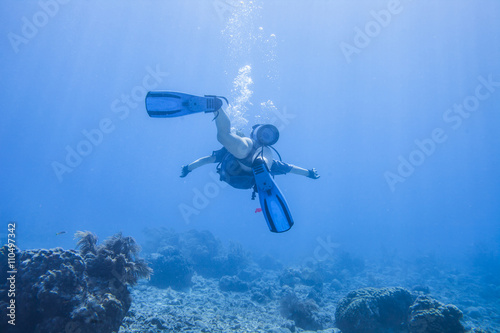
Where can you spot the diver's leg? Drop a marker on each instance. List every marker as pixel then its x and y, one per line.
pixel 240 147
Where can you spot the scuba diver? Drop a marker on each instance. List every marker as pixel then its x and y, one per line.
pixel 236 157
pixel 243 162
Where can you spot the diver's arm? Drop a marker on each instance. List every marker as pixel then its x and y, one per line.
pixel 299 171
pixel 282 168
pixel 304 172
pixel 196 164
pixel 201 162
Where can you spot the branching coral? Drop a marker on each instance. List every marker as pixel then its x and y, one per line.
pixel 86 242
pixel 85 291
pixel 122 245
pixel 115 258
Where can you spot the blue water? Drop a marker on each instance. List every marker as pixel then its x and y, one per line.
pixel 351 85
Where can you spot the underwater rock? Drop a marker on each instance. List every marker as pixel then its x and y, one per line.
pixel 250 274
pixel 69 291
pixel 214 261
pixel 316 294
pixel 303 312
pixel 306 276
pixel 49 283
pixel 339 265
pixel 430 316
pixel 311 278
pixel 156 238
pixel 203 250
pixel 232 283
pixel 372 310
pixel 290 277
pixel 263 292
pixel 171 269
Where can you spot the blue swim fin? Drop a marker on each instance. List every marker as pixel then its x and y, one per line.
pixel 165 104
pixel 272 201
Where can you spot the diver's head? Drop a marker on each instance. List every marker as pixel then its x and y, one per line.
pixel 265 135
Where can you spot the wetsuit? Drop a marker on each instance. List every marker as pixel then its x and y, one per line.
pixel 231 172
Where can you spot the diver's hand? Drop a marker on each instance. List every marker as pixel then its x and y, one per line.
pixel 185 170
pixel 313 174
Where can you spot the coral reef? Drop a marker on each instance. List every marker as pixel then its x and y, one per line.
pixel 270 306
pixel 251 273
pixel 373 310
pixel 88 291
pixel 49 283
pixel 430 316
pixel 306 276
pixel 394 309
pixel 339 265
pixel 67 291
pixel 171 269
pixel 114 259
pixel 303 312
pixel 230 292
pixel 203 252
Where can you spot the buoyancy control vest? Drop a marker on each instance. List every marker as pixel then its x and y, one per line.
pixel 231 169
